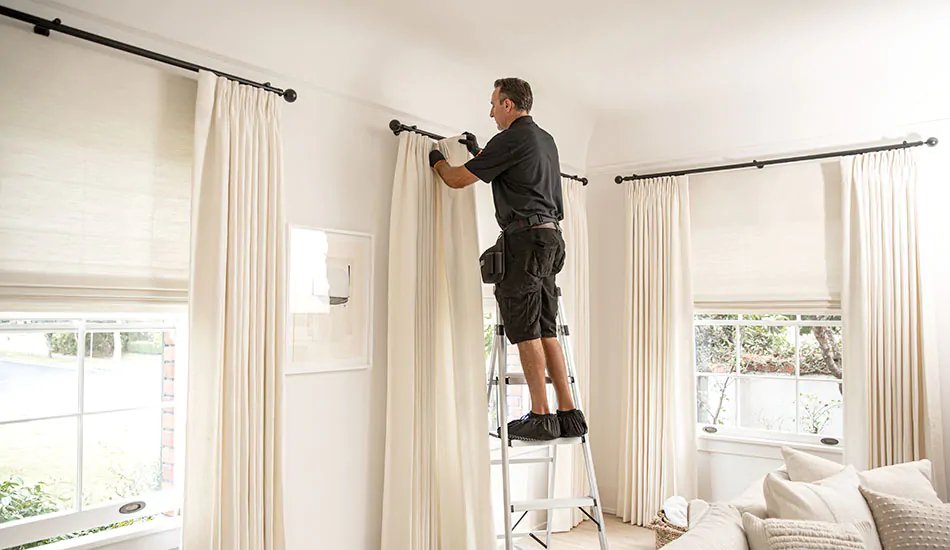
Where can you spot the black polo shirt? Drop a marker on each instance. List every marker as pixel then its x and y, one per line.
pixel 524 170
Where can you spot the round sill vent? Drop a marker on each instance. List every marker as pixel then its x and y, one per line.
pixel 710 429
pixel 829 441
pixel 132 507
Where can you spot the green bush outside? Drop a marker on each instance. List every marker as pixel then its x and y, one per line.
pixel 19 500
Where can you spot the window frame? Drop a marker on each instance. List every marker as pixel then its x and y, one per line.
pixel 80 517
pixel 713 431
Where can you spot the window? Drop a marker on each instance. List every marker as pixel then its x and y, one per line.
pixel 88 424
pixel 773 375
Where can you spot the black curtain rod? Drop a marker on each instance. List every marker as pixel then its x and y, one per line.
pixel 398 127
pixel 930 142
pixel 44 26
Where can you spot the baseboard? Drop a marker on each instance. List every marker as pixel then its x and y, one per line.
pixel 610 511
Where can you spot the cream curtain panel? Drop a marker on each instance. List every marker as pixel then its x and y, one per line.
pixel 657 439
pixel 436 492
pixel 233 492
pixel 892 408
pixel 574 281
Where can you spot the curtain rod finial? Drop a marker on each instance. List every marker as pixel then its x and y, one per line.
pixel 619 180
pixel 395 126
pixel 931 142
pixel 290 95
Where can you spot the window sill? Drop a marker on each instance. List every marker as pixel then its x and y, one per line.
pixel 764 442
pixel 105 538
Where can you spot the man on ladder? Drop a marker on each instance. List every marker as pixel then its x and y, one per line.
pixel 521 163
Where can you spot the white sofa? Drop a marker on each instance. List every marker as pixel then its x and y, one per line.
pixel 819 504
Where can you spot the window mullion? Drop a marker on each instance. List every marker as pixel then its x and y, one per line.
pixel 737 381
pixel 81 348
pixel 798 374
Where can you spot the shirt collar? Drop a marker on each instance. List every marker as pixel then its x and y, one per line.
pixel 526 119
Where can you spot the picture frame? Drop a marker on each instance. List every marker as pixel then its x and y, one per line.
pixel 329 300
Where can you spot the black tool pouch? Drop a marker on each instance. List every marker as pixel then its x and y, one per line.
pixel 492 262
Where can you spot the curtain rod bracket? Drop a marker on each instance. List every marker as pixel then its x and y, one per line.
pixel 44 31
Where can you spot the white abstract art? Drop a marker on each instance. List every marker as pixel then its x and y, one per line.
pixel 331 302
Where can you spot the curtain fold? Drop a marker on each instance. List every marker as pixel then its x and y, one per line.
pixel 891 384
pixel 233 473
pixel 574 281
pixel 657 439
pixel 437 481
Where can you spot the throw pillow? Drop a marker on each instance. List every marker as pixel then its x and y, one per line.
pixel 807 467
pixel 752 500
pixel 908 480
pixel 835 499
pixel 719 528
pixel 785 534
pixel 906 524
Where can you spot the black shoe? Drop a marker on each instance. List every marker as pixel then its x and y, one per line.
pixel 534 427
pixel 572 423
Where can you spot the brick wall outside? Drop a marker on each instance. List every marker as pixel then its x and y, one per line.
pixel 168 415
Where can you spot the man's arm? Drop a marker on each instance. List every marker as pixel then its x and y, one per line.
pixel 455 177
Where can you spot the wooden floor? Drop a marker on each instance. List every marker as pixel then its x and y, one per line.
pixel 620 535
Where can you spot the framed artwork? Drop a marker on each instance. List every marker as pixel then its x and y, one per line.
pixel 330 300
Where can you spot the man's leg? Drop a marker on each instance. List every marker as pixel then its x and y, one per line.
pixel 519 298
pixel 570 419
pixel 533 363
pixel 557 369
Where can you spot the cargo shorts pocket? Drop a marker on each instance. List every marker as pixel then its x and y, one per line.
pixel 547 256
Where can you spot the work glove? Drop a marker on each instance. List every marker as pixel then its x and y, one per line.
pixel 435 156
pixel 471 143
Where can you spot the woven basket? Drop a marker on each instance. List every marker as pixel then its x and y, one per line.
pixel 664 531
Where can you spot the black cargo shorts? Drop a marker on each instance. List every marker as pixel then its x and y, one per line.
pixel 527 296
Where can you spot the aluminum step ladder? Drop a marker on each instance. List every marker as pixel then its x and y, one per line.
pixel 498 381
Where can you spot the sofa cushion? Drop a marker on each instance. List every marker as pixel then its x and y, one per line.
pixel 787 534
pixel 908 480
pixel 906 523
pixel 719 528
pixel 835 499
pixel 807 467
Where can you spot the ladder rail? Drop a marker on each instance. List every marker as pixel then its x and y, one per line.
pixel 552 474
pixel 585 445
pixel 502 404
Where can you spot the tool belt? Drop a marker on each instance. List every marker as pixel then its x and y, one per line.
pixel 492 260
pixel 522 224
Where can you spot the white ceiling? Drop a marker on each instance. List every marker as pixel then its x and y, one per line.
pixel 610 62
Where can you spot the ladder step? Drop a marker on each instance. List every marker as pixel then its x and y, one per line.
pixel 551 442
pixel 522 534
pixel 519 380
pixel 551 504
pixel 535 460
